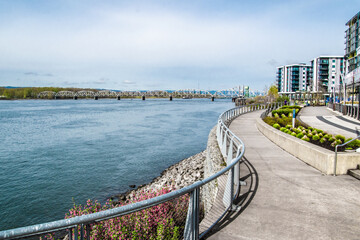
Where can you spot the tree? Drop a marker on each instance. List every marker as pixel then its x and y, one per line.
pixel 273 93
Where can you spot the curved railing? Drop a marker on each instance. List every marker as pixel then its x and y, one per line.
pixel 349 110
pixel 232 149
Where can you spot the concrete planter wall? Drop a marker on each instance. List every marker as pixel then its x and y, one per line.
pixel 318 157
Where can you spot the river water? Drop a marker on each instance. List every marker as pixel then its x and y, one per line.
pixel 53 151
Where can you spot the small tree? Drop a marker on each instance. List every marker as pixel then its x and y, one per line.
pixel 273 93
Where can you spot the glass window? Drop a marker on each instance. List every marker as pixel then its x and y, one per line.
pixel 333 60
pixel 333 66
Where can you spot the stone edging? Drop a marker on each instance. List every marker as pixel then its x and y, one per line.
pixel 187 172
pixel 318 157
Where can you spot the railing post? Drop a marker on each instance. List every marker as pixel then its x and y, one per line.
pixel 192 220
pixel 76 234
pixel 224 143
pixel 87 231
pixel 70 233
pixel 82 232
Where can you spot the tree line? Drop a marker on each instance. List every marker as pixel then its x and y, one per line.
pixel 31 92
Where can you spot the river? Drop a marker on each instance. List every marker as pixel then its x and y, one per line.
pixel 54 151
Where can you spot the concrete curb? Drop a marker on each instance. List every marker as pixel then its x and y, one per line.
pixel 317 157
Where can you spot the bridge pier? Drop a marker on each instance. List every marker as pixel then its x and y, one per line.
pixel 143 98
pixel 75 97
pixel 118 98
pixel 212 99
pixel 170 98
pixel 96 98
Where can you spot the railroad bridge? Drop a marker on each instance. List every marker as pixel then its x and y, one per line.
pixel 137 94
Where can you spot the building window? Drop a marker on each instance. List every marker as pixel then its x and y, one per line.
pixel 333 60
pixel 333 66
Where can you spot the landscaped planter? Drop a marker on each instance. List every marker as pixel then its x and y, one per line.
pixel 316 156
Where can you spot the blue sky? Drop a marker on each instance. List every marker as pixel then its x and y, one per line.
pixel 134 45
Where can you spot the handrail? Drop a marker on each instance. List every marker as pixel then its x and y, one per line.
pixel 226 139
pixel 341 145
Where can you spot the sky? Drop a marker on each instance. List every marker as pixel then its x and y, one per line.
pixel 163 45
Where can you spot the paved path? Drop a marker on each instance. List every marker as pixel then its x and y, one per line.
pixel 292 200
pixel 329 121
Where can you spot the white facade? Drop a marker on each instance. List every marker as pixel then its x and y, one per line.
pixel 327 71
pixel 293 78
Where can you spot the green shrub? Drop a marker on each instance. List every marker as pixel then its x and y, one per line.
pixel 310 128
pixel 315 137
pixel 309 135
pixel 314 132
pixel 290 115
pixel 331 139
pixel 283 116
pixel 276 115
pixel 276 125
pixel 288 126
pixel 299 135
pixel 270 120
pixel 327 136
pixel 296 130
pixel 321 135
pixel 349 148
pixel 305 138
pixel 340 137
pixel 353 144
pixel 336 142
pixel 291 107
pixel 322 140
pixel 288 131
pixel 293 134
pixel 319 130
pixel 283 129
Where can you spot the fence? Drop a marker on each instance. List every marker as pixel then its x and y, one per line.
pixel 349 110
pixel 207 202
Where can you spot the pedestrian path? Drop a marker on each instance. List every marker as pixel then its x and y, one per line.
pixel 291 200
pixel 330 121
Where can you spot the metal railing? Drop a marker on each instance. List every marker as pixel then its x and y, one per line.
pixel 232 149
pixel 347 109
pixel 336 151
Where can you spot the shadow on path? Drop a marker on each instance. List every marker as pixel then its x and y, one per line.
pixel 243 200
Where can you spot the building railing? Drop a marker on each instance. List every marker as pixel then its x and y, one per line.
pixel 349 110
pixel 232 149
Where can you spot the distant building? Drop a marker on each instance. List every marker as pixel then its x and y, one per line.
pixel 352 50
pixel 293 78
pixel 326 73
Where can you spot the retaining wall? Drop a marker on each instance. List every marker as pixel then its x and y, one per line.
pixel 316 156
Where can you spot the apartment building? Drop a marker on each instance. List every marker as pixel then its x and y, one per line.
pixel 326 74
pixel 352 50
pixel 293 78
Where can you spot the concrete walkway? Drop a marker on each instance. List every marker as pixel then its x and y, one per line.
pixel 315 116
pixel 290 200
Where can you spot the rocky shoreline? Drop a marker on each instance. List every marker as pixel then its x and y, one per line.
pixel 179 175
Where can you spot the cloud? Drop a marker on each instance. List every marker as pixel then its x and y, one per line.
pixel 126 39
pixel 128 82
pixel 273 62
pixel 31 73
pixel 38 74
pixel 101 81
